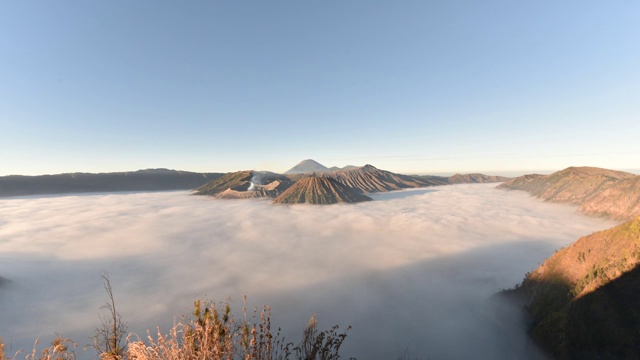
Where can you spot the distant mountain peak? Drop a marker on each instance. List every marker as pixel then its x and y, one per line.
pixel 307 166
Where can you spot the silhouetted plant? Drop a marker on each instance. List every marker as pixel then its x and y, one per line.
pixel 110 336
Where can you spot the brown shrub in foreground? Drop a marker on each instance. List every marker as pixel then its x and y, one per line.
pixel 212 333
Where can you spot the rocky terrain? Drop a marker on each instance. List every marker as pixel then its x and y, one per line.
pixel 369 179
pixel 596 191
pixel 141 180
pixel 246 184
pixel 363 180
pixel 320 190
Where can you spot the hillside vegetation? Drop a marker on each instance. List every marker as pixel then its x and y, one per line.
pixel 584 301
pixel 596 191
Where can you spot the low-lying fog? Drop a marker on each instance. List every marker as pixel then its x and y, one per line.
pixel 411 271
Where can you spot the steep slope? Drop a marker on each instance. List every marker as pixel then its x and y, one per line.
pixel 307 166
pixel 141 180
pixel 246 184
pixel 475 179
pixel 619 201
pixel 319 190
pixel 369 179
pixel 572 185
pixel 227 181
pixel 578 307
pixel 270 190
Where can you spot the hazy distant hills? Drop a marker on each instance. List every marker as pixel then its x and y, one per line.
pixel 475 179
pixel 320 190
pixel 246 184
pixel 584 301
pixel 597 191
pixel 235 185
pixel 141 180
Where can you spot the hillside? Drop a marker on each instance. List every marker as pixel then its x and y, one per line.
pixel 307 166
pixel 619 201
pixel 596 191
pixel 246 184
pixel 475 179
pixel 141 180
pixel 571 185
pixel 369 179
pixel 319 190
pixel 584 301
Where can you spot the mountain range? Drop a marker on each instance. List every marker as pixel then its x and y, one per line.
pixel 351 179
pixel 584 301
pixel 141 180
pixel 311 166
pixel 596 191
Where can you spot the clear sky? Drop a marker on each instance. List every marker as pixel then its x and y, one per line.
pixel 408 86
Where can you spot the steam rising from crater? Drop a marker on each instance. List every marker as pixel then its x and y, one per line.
pixel 412 270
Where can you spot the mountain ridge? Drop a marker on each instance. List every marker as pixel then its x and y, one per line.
pixel 592 189
pixel 139 180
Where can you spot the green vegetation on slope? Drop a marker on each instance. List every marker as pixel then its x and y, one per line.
pixel 579 297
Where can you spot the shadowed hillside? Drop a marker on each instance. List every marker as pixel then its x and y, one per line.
pixel 141 180
pixel 319 190
pixel 584 301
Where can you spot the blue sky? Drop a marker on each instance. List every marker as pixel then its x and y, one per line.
pixel 408 86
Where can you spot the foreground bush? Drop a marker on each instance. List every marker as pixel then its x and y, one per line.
pixel 211 333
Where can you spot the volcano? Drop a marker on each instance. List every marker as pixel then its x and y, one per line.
pixel 246 184
pixel 320 190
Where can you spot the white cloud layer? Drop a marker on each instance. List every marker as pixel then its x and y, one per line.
pixel 413 270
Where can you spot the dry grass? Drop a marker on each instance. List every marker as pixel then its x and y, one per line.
pixel 60 349
pixel 211 333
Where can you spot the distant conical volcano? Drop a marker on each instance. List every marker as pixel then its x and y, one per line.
pixel 307 166
pixel 319 190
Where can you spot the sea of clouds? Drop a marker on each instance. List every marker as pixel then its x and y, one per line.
pixel 411 271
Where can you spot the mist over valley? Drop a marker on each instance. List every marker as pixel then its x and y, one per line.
pixel 412 270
